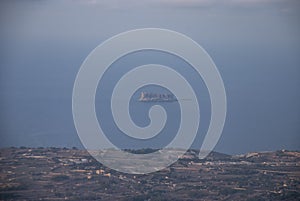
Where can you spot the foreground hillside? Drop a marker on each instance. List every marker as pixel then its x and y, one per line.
pixel 71 174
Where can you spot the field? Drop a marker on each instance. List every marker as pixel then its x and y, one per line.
pixel 71 174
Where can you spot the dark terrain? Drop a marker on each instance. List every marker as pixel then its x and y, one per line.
pixel 71 174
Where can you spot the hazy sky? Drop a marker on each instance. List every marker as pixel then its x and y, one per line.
pixel 254 43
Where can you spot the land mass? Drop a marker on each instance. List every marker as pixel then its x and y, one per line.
pixel 71 174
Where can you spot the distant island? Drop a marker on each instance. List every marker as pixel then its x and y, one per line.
pixel 156 97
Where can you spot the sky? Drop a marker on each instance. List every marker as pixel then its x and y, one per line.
pixel 254 43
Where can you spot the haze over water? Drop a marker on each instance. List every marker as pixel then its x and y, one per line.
pixel 254 45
